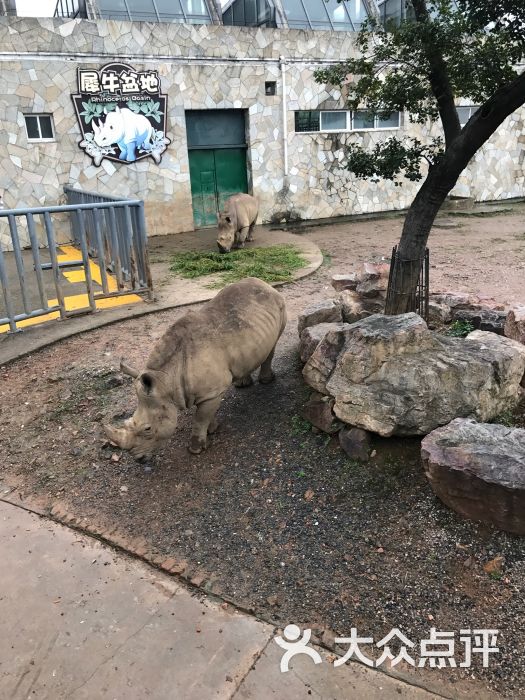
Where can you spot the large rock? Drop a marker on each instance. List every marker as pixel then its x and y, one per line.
pixel 482 319
pixel 478 470
pixel 323 312
pixel 391 375
pixel 453 299
pixel 318 411
pixel 356 443
pixel 438 314
pixel 354 307
pixel 348 281
pixel 515 324
pixel 374 280
pixel 312 336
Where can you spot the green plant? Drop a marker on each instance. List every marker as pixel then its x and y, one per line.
pixel 460 329
pixel 300 425
pixel 507 418
pixel 273 264
pixel 301 473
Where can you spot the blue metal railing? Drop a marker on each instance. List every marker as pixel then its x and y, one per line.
pixel 113 231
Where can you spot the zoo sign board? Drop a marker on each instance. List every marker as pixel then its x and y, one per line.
pixel 121 114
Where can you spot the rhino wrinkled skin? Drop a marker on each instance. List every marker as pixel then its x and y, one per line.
pixel 236 221
pixel 197 359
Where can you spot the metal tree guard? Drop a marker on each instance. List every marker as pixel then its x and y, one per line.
pixel 418 300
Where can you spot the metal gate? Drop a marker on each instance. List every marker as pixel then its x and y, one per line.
pixel 108 235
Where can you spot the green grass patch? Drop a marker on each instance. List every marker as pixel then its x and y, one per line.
pixel 273 264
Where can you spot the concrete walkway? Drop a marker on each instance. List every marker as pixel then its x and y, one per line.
pixel 170 291
pixel 81 621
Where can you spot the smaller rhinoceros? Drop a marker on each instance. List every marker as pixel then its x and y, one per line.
pixel 236 221
pixel 127 129
pixel 197 359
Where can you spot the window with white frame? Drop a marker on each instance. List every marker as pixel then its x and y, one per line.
pixel 39 127
pixel 344 120
pixel 464 113
pixel 334 121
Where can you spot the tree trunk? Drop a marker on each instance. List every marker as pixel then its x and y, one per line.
pixel 441 178
pixel 416 230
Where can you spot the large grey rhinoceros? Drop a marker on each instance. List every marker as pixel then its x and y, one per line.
pixel 236 221
pixel 197 359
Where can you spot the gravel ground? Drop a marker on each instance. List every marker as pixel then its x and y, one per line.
pixel 282 521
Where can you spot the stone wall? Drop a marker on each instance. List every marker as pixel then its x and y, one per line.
pixel 205 67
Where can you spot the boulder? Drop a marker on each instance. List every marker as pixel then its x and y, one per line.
pixel 340 282
pixel 312 336
pixel 374 280
pixel 323 312
pixel 393 376
pixel 453 299
pixel 515 324
pixel 438 314
pixel 482 319
pixel 478 470
pixel 318 411
pixel 354 307
pixel 356 443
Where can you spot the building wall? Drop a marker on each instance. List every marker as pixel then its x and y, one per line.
pixel 204 67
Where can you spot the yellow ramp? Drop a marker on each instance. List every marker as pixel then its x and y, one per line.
pixel 74 302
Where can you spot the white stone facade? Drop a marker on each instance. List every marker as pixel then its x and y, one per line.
pixel 206 67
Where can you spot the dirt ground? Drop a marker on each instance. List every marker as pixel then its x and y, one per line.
pixel 275 514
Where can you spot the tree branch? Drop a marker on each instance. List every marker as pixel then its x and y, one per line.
pixel 439 80
pixel 488 118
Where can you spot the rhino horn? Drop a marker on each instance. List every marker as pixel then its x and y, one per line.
pixel 120 436
pixel 126 369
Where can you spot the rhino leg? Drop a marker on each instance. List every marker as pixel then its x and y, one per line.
pixel 203 420
pixel 250 232
pixel 266 373
pixel 130 152
pixel 242 235
pixel 243 381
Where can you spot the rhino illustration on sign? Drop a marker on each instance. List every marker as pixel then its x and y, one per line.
pixel 127 129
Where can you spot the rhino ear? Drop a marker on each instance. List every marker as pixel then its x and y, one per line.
pixel 117 109
pixel 147 382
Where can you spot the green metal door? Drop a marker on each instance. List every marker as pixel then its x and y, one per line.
pixel 203 187
pixel 230 170
pixel 217 154
pixel 215 175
